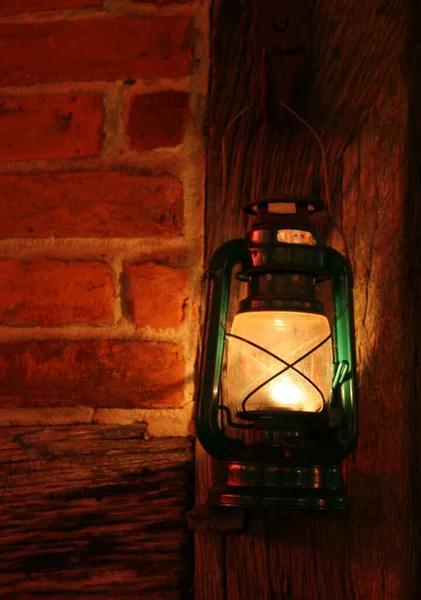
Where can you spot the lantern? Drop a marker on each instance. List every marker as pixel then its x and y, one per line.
pixel 277 398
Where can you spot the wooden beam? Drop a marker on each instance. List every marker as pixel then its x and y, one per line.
pixel 94 511
pixel 209 547
pixel 412 224
pixel 357 100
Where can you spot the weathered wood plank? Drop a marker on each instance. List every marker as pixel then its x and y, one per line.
pixel 94 510
pixel 309 556
pixel 209 548
pixel 379 473
pixel 247 564
pixel 412 225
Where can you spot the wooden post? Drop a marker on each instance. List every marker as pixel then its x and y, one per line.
pixel 412 225
pixel 357 99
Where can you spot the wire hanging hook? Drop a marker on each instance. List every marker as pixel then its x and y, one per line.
pixel 325 176
pixel 324 165
pixel 223 150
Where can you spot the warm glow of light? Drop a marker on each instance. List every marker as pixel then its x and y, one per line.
pixel 255 372
pixel 286 393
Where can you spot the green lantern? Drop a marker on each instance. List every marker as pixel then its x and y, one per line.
pixel 277 399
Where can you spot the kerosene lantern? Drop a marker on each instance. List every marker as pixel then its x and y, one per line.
pixel 277 398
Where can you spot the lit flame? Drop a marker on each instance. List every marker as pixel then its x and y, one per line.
pixel 286 393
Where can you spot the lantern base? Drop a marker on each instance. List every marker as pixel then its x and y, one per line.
pixel 274 486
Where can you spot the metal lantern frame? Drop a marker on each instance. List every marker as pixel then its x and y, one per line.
pixel 295 458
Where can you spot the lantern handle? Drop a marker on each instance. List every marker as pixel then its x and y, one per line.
pixel 344 382
pixel 221 265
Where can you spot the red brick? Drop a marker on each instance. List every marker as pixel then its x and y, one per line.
pixel 54 292
pixel 90 204
pixel 39 127
pixel 91 373
pixel 95 49
pixel 14 7
pixel 158 119
pixel 157 294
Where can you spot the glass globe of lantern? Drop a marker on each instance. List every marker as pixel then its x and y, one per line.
pixel 262 344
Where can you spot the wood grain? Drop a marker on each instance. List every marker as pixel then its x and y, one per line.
pixel 379 476
pixel 209 547
pixel 94 511
pixel 355 47
pixel 412 224
pixel 216 518
pixel 357 99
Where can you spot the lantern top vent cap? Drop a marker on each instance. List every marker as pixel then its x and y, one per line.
pixel 285 205
pixel 284 212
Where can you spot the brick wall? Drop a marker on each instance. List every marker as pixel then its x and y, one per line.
pixel 101 206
